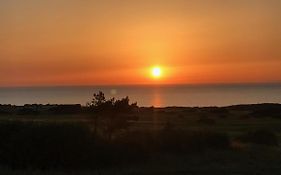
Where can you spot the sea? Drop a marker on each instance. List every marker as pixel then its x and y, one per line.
pixel 148 95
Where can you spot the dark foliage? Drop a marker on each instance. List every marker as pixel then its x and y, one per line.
pixel 67 146
pixel 73 146
pixel 111 115
pixel 66 109
pixel 260 110
pixel 192 141
pixel 6 109
pixel 27 111
pixel 206 121
pixel 30 145
pixel 262 137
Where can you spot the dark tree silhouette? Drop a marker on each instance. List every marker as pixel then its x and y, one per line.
pixel 111 115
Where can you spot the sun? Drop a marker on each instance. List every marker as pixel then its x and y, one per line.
pixel 156 72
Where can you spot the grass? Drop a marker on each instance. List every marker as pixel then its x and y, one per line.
pixel 211 163
pixel 143 142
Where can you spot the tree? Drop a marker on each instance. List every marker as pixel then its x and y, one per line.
pixel 112 115
pixel 98 99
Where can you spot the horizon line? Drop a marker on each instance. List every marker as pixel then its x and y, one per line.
pixel 131 85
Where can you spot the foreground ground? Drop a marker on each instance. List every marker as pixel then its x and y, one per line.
pixel 254 148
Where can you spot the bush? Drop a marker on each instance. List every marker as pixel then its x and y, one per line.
pixel 113 115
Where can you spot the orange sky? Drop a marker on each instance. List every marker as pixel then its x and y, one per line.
pixel 72 42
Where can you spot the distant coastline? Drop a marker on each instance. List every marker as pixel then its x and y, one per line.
pixel 266 109
pixel 148 95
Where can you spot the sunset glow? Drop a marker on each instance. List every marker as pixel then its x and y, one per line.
pixel 108 42
pixel 143 86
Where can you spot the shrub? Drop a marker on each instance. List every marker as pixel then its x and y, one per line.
pixel 113 115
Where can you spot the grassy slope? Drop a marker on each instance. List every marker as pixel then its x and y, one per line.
pixel 243 159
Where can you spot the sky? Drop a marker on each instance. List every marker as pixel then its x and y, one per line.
pixel 102 42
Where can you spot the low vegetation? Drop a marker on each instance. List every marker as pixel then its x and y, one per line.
pixel 112 133
pixel 261 136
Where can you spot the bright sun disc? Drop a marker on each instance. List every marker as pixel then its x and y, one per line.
pixel 156 72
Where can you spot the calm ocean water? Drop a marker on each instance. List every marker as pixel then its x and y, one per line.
pixel 158 96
